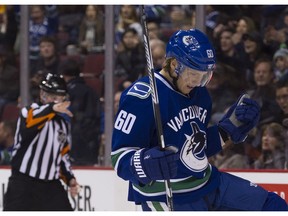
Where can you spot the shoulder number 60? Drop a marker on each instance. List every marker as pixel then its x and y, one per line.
pixel 125 121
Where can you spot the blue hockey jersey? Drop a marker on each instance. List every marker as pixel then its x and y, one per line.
pixel 185 121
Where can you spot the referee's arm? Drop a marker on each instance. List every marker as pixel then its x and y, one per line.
pixel 66 173
pixel 37 117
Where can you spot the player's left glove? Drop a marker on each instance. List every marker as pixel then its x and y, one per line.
pixel 240 119
pixel 154 164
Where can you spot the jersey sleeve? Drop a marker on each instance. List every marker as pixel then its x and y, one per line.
pixel 213 138
pixel 213 141
pixel 134 127
pixel 36 116
pixel 66 173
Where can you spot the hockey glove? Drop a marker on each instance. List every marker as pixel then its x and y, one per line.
pixel 240 119
pixel 154 164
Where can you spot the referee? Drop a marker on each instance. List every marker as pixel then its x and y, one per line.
pixel 40 153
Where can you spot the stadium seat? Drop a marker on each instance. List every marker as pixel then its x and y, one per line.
pixel 95 83
pixel 92 71
pixel 167 32
pixel 63 40
pixel 10 112
pixel 77 58
pixel 94 64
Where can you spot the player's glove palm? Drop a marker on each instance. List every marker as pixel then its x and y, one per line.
pixel 247 114
pixel 155 164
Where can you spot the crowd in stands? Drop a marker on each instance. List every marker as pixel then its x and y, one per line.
pixel 251 44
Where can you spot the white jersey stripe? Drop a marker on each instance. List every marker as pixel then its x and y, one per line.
pixel 27 156
pixel 40 143
pixel 47 152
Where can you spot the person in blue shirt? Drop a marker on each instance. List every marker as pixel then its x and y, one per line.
pixel 7 131
pixel 185 108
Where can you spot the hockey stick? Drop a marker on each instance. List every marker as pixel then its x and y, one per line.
pixel 155 100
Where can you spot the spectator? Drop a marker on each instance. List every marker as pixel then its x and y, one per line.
pixel 8 26
pixel 179 16
pixel 154 30
pixel 283 30
pixel 273 26
pixel 91 30
pixel 85 124
pixel 155 13
pixel 244 25
pixel 70 17
pixel 280 59
pixel 222 20
pixel 7 132
pixel 273 146
pixel 254 49
pixel 264 91
pixel 128 18
pixel 220 91
pixel 232 158
pixel 270 15
pixel 231 55
pixel 123 85
pixel 158 51
pixel 282 100
pixel 39 26
pixel 117 97
pixel 48 62
pixel 131 62
pixel 9 79
pixel 212 15
pixel 283 20
pixel 264 94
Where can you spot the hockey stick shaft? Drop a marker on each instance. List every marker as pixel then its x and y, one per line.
pixel 155 100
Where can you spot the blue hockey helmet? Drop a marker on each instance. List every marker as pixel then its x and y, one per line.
pixel 193 49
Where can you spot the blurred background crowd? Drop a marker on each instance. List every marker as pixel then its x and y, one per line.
pixel 251 44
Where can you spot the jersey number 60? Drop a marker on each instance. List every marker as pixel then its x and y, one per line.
pixel 125 121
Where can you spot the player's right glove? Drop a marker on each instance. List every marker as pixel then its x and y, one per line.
pixel 240 119
pixel 154 164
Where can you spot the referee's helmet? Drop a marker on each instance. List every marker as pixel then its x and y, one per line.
pixel 54 84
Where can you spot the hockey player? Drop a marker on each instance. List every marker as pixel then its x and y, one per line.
pixel 185 108
pixel 40 156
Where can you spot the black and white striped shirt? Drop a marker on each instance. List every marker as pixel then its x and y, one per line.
pixel 41 144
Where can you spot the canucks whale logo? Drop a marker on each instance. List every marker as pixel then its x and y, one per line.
pixel 192 153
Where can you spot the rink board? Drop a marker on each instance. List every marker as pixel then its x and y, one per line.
pixel 102 190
